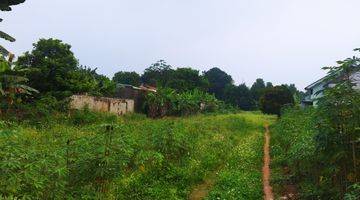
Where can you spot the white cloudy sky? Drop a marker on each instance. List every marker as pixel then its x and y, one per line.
pixel 283 41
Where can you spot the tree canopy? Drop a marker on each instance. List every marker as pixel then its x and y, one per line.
pixel 158 74
pixel 184 79
pixel 239 96
pixel 130 78
pixel 218 80
pixel 257 88
pixel 273 99
pixel 51 67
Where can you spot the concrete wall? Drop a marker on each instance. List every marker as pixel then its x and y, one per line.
pixel 102 104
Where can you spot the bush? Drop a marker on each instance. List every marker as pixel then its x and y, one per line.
pixel 36 110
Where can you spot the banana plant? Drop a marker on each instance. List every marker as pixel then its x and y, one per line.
pixel 12 86
pixel 5 5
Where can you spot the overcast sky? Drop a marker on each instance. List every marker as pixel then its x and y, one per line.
pixel 282 41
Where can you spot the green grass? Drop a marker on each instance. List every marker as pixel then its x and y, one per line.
pixel 92 156
pixel 241 177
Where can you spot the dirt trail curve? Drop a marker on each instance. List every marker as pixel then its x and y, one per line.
pixel 201 191
pixel 268 194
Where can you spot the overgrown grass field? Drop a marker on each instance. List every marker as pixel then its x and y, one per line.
pixel 96 156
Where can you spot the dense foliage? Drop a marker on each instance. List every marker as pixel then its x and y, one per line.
pixel 93 156
pixel 320 146
pixel 158 74
pixel 239 96
pixel 218 81
pixel 257 89
pixel 52 68
pixel 167 102
pixel 274 99
pixel 130 78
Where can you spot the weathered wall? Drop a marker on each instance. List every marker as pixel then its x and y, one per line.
pixel 102 104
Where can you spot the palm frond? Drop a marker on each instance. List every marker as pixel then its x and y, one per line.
pixel 13 78
pixel 27 89
pixel 6 36
pixel 3 51
pixel 5 5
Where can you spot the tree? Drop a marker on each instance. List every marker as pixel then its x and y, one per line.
pixel 100 84
pixel 185 79
pixel 269 85
pixel 257 89
pixel 298 95
pixel 273 99
pixel 218 80
pixel 158 74
pixel 130 78
pixel 52 68
pixel 239 96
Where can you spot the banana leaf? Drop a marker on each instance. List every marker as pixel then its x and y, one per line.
pixel 6 36
pixel 3 51
pixel 5 4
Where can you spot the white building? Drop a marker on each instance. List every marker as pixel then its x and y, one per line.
pixel 316 90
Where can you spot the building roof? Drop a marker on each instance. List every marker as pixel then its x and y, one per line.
pixel 142 87
pixel 316 83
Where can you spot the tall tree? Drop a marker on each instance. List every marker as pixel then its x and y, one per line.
pixel 298 95
pixel 239 96
pixel 184 79
pixel 51 67
pixel 257 89
pixel 269 85
pixel 158 74
pixel 130 78
pixel 218 80
pixel 273 99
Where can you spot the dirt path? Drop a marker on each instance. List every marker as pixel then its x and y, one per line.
pixel 268 194
pixel 202 190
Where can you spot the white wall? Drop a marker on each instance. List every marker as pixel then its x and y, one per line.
pixel 102 104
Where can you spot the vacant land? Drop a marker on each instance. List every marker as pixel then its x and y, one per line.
pixel 90 156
